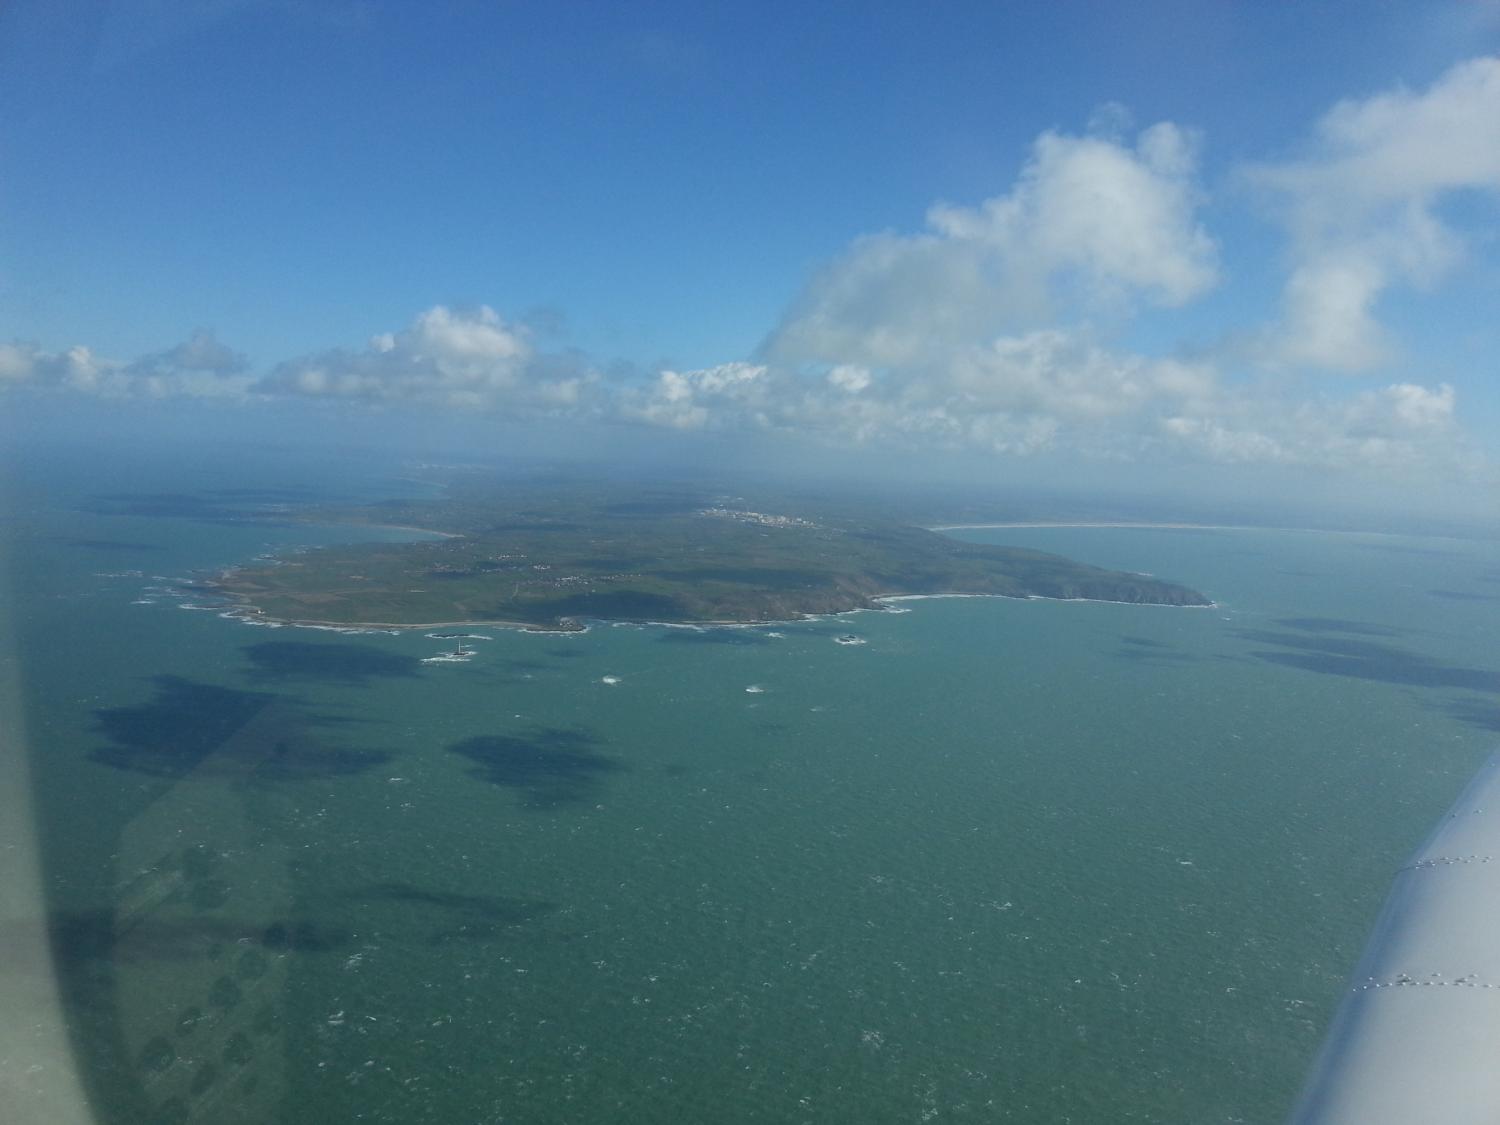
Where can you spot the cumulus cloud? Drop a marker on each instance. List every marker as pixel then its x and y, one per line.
pixel 77 368
pixel 199 367
pixel 199 352
pixel 1054 391
pixel 469 359
pixel 733 394
pixel 1400 430
pixel 1363 209
pixel 17 363
pixel 982 330
pixel 1091 222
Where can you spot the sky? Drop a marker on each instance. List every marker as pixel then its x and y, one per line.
pixel 1236 247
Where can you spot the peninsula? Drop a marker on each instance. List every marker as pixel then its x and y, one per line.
pixel 548 555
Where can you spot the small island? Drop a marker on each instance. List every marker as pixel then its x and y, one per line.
pixel 555 555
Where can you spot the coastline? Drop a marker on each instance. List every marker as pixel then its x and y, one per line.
pixel 1128 524
pixel 248 614
pixel 404 527
pixel 1167 526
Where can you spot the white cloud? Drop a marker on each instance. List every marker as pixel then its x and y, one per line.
pixel 981 331
pixel 849 377
pixel 200 367
pixel 199 352
pixel 76 368
pixel 1090 223
pixel 466 359
pixel 1363 209
pixel 730 394
pixel 1052 391
pixel 17 363
pixel 1122 218
pixel 1400 431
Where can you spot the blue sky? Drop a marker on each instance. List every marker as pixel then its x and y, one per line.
pixel 1241 240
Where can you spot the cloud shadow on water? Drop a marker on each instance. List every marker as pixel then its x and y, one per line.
pixel 552 766
pixel 1143 650
pixel 1336 625
pixel 1476 712
pixel 1367 660
pixel 188 726
pixel 224 506
pixel 80 936
pixel 456 917
pixel 1406 549
pixel 340 662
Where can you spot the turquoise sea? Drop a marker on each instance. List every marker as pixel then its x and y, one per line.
pixel 1005 861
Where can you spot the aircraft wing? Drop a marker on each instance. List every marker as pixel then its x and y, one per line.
pixel 1417 1037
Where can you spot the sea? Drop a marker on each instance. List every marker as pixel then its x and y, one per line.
pixel 1001 861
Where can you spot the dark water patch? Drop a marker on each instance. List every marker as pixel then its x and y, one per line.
pixel 1294 573
pixel 742 637
pixel 112 545
pixel 302 935
pixel 676 769
pixel 459 917
pixel 1463 596
pixel 178 728
pixel 1405 549
pixel 1144 642
pixel 1368 660
pixel 1158 657
pixel 552 766
pixel 180 505
pixel 100 935
pixel 1479 713
pixel 188 726
pixel 339 662
pixel 498 907
pixel 564 652
pixel 1336 625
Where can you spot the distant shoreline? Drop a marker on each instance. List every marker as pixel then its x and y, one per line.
pixel 251 614
pixel 1129 524
pixel 403 527
pixel 248 612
